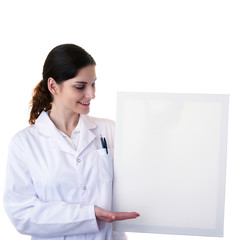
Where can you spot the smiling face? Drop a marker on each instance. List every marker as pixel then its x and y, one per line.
pixel 74 95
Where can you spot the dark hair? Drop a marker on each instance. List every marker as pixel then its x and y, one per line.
pixel 62 63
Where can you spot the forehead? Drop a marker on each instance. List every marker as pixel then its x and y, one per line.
pixel 85 75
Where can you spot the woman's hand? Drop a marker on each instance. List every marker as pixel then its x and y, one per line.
pixel 109 216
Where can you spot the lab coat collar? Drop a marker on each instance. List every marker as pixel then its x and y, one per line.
pixel 47 129
pixel 86 135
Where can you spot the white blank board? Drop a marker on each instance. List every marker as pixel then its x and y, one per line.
pixel 170 162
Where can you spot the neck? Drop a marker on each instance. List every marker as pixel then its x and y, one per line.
pixel 64 120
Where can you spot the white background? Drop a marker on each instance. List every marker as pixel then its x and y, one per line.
pixel 147 45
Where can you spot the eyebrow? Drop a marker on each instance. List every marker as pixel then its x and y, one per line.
pixel 81 82
pixel 84 82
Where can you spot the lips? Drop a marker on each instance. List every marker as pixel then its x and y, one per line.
pixel 84 103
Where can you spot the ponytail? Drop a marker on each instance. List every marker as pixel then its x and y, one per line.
pixel 41 100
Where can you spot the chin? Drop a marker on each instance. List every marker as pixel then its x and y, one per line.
pixel 84 112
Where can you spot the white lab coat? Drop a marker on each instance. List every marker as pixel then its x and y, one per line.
pixel 51 189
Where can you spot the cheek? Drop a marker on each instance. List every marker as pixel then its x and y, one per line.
pixel 75 97
pixel 69 100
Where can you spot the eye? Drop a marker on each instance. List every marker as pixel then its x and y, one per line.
pixel 80 87
pixel 93 84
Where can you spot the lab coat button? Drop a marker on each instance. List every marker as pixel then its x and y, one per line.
pixel 84 188
pixel 79 160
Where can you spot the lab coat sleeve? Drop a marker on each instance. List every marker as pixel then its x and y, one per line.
pixel 118 236
pixel 33 217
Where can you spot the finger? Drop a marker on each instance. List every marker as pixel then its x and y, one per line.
pixel 126 215
pixel 112 217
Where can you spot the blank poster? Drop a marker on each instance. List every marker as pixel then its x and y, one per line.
pixel 170 162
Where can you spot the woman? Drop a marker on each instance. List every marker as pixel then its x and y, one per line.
pixel 60 172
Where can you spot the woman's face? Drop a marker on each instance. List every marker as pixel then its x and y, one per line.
pixel 74 95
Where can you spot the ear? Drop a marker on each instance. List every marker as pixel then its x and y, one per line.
pixel 52 86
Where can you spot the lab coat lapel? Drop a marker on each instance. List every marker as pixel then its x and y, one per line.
pixel 62 144
pixel 86 135
pixel 47 129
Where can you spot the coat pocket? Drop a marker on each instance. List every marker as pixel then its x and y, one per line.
pixel 105 164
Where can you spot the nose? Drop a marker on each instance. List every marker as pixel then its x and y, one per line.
pixel 90 92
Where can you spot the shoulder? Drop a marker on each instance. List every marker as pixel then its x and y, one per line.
pixel 102 126
pixel 23 135
pixel 17 147
pixel 103 122
pixel 99 122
